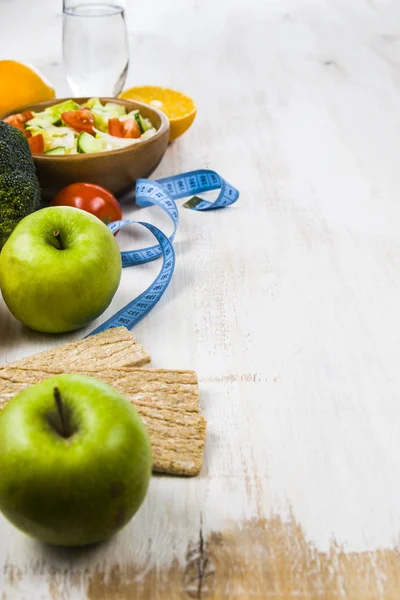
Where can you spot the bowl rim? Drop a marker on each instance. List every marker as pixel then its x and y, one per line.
pixel 164 127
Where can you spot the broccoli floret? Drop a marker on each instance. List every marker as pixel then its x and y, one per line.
pixel 19 185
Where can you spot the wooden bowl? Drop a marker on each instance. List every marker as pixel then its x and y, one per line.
pixel 116 170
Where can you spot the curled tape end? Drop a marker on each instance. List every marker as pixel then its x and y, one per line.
pixel 163 193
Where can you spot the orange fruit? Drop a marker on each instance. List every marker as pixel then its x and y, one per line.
pixel 21 85
pixel 180 109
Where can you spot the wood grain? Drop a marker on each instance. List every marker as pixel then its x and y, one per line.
pixel 229 565
pixel 286 305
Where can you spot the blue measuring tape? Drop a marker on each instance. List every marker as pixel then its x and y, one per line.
pixel 163 193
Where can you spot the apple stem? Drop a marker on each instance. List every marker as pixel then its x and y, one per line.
pixel 60 407
pixel 56 234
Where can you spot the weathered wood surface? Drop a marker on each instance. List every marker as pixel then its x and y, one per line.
pixel 286 305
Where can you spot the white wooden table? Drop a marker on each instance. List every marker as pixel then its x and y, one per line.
pixel 287 305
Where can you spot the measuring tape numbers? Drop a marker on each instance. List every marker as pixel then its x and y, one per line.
pixel 163 193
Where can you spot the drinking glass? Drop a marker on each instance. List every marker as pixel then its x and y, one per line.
pixel 95 46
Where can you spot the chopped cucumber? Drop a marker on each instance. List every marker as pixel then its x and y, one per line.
pixel 147 124
pixel 56 151
pixel 111 142
pixel 144 124
pixel 87 144
pixel 148 134
pixel 140 122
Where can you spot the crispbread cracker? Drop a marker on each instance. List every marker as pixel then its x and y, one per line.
pixel 167 401
pixel 112 348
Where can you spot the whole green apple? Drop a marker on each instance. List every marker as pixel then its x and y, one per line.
pixel 59 269
pixel 75 461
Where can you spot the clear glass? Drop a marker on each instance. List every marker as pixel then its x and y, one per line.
pixel 95 47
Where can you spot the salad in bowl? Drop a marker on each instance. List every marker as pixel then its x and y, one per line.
pixel 70 128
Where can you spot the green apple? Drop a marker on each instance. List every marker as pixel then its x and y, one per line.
pixel 75 461
pixel 59 269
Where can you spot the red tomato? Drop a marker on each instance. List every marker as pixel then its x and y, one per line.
pixel 131 128
pixel 36 143
pixel 18 120
pixel 115 127
pixel 92 198
pixel 27 115
pixel 80 120
pixel 128 128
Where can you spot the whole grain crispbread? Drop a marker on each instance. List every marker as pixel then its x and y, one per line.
pixel 115 347
pixel 167 400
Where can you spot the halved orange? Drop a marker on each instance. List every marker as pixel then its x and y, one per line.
pixel 180 109
pixel 21 85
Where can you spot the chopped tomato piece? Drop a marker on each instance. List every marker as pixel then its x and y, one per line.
pixel 80 120
pixel 127 128
pixel 27 115
pixel 131 128
pixel 16 121
pixel 36 144
pixel 115 127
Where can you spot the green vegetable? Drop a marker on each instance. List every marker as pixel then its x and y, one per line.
pixel 112 142
pixel 102 113
pixel 140 122
pixel 41 121
pixel 144 124
pixel 19 185
pixel 51 115
pixel 148 134
pixel 57 110
pixel 101 119
pixel 94 103
pixel 57 136
pixel 87 144
pixel 58 150
pixel 147 124
pixel 130 115
pixel 115 110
